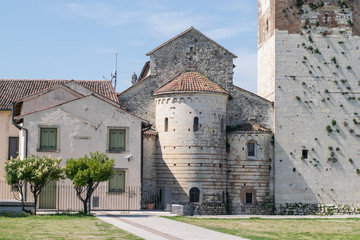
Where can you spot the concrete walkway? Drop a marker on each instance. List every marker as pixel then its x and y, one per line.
pixel 153 227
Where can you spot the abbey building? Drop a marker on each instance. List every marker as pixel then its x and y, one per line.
pixel 200 142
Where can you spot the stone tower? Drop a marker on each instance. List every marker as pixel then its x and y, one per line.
pixel 309 66
pixel 190 120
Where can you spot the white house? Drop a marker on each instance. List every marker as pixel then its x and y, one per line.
pixel 69 121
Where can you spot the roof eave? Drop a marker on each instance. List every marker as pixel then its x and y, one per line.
pixel 181 92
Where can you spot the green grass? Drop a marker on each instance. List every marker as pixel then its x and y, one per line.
pixel 261 229
pixel 61 226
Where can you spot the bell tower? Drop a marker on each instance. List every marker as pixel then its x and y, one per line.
pixel 309 67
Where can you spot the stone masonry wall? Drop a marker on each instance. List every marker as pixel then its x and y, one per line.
pixel 250 174
pixel 149 167
pixel 186 158
pixel 317 98
pixel 193 50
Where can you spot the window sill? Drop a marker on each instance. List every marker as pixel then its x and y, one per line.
pixel 108 151
pixel 116 192
pixel 48 150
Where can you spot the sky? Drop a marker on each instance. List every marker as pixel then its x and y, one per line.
pixel 60 39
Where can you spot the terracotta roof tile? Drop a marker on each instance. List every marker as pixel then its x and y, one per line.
pixel 248 127
pixel 150 132
pixel 190 82
pixel 12 89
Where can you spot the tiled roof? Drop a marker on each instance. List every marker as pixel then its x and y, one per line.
pixel 150 132
pixel 248 127
pixel 12 89
pixel 190 82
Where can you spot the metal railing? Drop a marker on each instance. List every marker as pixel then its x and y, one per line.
pixel 62 197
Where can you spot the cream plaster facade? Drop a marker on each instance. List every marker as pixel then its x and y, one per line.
pixel 83 125
pixel 7 129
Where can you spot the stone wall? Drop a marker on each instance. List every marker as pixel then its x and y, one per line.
pixel 315 209
pixel 317 123
pixel 186 158
pixel 204 209
pixel 149 166
pixel 260 208
pixel 250 174
pixel 193 50
pixel 244 106
pixel 15 207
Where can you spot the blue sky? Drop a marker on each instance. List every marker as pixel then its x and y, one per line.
pixel 62 39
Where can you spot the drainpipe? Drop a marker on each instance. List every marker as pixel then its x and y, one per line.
pixel 26 136
pixel 142 161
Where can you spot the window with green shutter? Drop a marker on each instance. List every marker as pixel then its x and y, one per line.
pixel 117 182
pixel 117 140
pixel 48 138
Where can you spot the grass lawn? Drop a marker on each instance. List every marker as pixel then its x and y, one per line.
pixel 59 227
pixel 260 229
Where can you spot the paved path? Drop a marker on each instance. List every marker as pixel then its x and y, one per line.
pixel 154 227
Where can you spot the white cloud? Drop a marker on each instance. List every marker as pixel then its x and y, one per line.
pixel 245 73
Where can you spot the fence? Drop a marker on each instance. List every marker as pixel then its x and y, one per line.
pixel 62 197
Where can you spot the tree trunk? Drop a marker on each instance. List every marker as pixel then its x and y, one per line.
pixel 85 206
pixel 35 202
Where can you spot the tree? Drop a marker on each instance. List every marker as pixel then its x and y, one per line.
pixel 14 177
pixel 87 172
pixel 37 171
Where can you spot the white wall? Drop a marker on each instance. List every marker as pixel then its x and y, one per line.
pixel 299 123
pixel 83 126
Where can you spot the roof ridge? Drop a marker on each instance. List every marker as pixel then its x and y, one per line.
pixel 186 31
pixel 13 89
pixel 26 79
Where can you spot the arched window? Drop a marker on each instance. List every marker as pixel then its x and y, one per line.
pixel 222 125
pixel 196 124
pixel 166 124
pixel 194 194
pixel 251 149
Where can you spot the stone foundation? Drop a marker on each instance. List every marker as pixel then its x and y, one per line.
pixel 204 209
pixel 15 206
pixel 315 209
pixel 258 209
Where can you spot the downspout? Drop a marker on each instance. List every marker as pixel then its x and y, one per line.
pixel 26 136
pixel 142 161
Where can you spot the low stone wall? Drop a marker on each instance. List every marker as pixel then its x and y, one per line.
pixel 267 208
pixel 15 206
pixel 315 209
pixel 203 209
pixel 258 209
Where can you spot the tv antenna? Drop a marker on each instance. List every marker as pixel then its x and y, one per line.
pixel 113 77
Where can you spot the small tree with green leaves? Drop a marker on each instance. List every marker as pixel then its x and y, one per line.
pixel 87 172
pixel 37 171
pixel 14 177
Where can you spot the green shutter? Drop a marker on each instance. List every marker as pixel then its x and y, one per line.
pixel 117 182
pixel 48 138
pixel 117 140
